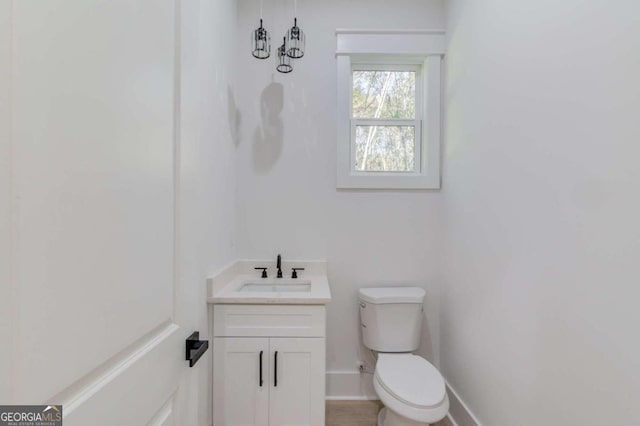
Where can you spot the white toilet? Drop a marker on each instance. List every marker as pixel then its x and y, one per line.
pixel 411 389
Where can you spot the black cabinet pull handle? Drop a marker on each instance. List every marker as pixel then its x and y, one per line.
pixel 275 370
pixel 261 368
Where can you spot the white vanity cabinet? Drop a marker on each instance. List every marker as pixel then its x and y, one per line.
pixel 268 365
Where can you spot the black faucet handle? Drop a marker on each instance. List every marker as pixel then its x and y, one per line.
pixel 278 264
pixel 294 272
pixel 264 272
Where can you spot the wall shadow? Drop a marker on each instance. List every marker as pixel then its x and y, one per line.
pixel 234 116
pixel 269 134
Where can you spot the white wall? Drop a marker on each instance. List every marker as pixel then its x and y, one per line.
pixel 286 168
pixel 541 208
pixel 206 234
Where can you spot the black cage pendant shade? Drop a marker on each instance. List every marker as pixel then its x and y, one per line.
pixel 284 61
pixel 261 43
pixel 295 41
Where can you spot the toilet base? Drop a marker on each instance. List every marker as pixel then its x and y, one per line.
pixel 389 418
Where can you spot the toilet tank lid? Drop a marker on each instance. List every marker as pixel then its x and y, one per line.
pixel 380 295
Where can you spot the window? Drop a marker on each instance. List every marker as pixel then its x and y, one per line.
pixel 389 112
pixel 386 114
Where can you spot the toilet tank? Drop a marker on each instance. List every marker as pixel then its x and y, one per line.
pixel 391 318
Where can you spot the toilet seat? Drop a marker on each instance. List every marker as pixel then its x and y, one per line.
pixel 411 386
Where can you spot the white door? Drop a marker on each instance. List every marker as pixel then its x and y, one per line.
pixel 297 382
pixel 241 381
pixel 93 314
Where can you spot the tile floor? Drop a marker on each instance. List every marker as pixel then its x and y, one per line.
pixel 358 413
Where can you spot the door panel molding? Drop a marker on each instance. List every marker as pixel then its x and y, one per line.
pixel 92 383
pixel 164 416
pixel 127 389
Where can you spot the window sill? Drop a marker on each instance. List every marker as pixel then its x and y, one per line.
pixel 388 181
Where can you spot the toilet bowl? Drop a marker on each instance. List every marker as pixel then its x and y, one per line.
pixel 411 389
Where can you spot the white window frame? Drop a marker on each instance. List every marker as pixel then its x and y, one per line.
pixel 400 50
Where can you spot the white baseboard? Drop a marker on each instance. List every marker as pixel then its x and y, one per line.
pixel 350 385
pixel 459 413
pixel 451 419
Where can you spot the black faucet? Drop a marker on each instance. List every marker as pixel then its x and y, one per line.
pixel 278 265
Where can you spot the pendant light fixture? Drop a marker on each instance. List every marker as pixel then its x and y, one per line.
pixel 260 41
pixel 284 61
pixel 295 41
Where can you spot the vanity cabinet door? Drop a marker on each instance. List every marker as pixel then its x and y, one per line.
pixel 239 397
pixel 297 382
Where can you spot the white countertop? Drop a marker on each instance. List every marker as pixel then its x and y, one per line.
pixel 224 287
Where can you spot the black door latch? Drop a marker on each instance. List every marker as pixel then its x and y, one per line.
pixel 195 348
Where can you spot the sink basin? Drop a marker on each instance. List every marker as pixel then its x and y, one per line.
pixel 276 287
pixel 241 284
